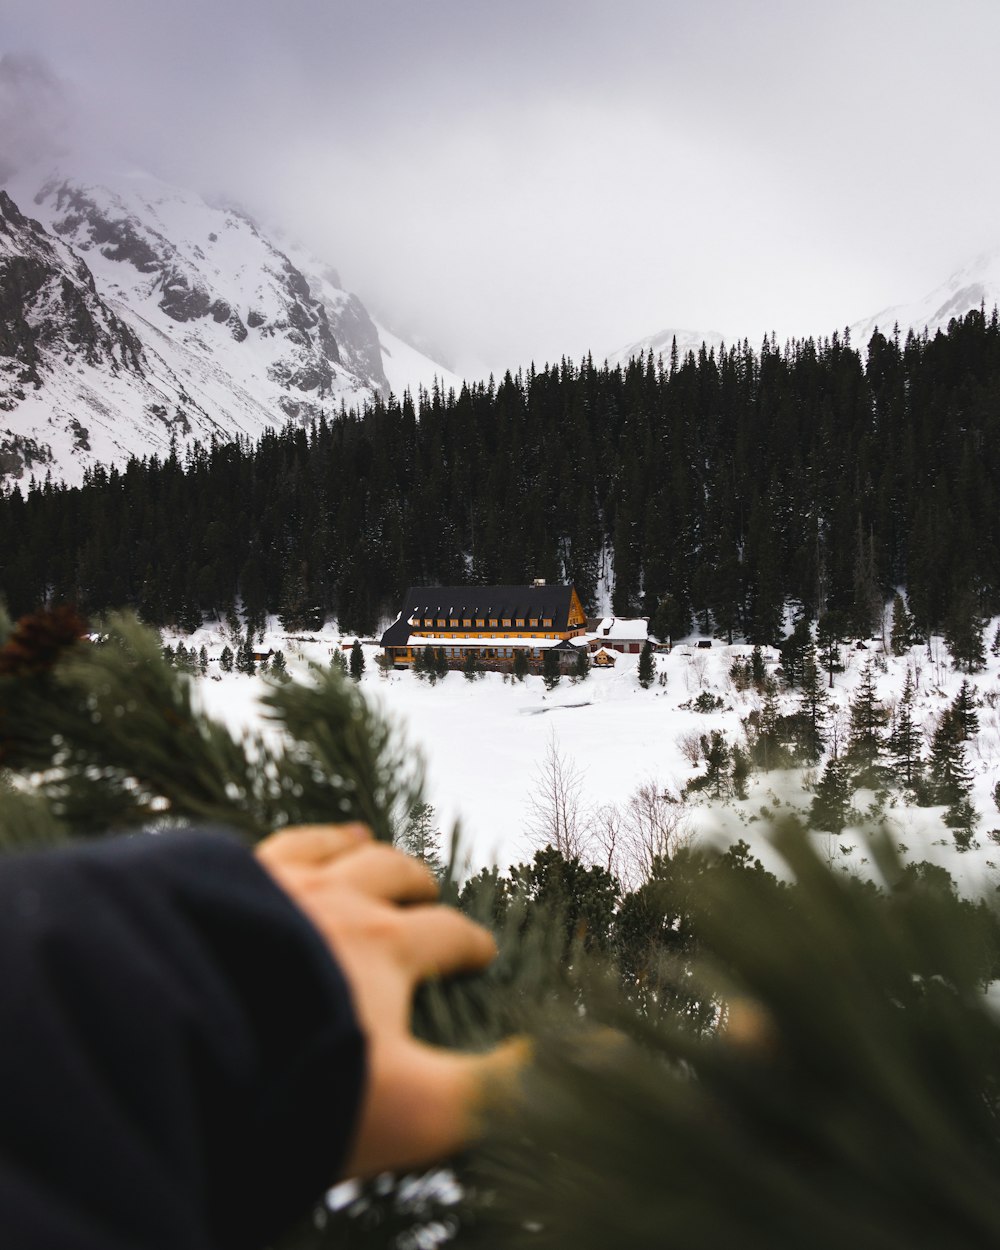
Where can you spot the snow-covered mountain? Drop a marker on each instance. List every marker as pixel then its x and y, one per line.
pixel 144 315
pixel 661 344
pixel 975 284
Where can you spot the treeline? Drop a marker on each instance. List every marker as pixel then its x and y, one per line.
pixel 713 489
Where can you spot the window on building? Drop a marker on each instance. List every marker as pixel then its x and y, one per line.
pixel 520 620
pixel 480 623
pixel 506 622
pixel 441 622
pixel 453 621
pixel 534 620
pixel 547 621
pixel 493 621
pixel 467 623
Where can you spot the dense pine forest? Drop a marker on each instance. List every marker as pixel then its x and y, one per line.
pixel 712 491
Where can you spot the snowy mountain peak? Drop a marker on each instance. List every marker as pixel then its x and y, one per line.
pixel 974 285
pixel 196 324
pixel 661 344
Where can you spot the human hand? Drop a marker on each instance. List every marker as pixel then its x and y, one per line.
pixel 375 908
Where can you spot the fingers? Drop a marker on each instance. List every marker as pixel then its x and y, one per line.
pixel 381 872
pixel 311 845
pixel 439 1097
pixel 440 942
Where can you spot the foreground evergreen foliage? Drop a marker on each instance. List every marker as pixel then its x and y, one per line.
pixel 718 1057
pixel 722 485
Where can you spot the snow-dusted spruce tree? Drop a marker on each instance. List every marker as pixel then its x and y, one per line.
pixel 813 704
pixel 422 839
pixel 357 660
pixel 963 634
pixel 647 670
pixel 768 1065
pixel 905 738
pixel 868 719
pixel 904 630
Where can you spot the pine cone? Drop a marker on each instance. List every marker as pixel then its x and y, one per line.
pixel 38 640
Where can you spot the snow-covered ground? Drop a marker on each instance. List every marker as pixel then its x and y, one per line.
pixel 483 742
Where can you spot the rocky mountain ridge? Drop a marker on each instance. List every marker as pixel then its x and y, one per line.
pixel 218 332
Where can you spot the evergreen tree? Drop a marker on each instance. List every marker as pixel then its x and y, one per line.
pixel 832 802
pixel 245 662
pixel 670 620
pixel 203 660
pixel 419 666
pixel 521 667
pixel 868 716
pixel 758 669
pixel 226 659
pixel 813 701
pixel 963 634
pixel 441 666
pixel 995 647
pixel 422 839
pixel 718 759
pixel 903 634
pixel 338 662
pixel 740 772
pixel 763 737
pixel 830 631
pixel 582 666
pixel 951 775
pixel 794 649
pixel 647 670
pixel 471 667
pixel 279 669
pixel 550 668
pixel 964 717
pixel 357 661
pixel 855 979
pixel 905 737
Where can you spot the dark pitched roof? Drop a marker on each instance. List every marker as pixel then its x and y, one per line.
pixel 482 602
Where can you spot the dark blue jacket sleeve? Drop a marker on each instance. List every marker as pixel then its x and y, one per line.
pixel 180 1064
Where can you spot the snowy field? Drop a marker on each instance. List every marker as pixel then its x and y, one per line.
pixel 483 743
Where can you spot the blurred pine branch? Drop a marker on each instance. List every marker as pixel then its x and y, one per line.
pixel 720 1058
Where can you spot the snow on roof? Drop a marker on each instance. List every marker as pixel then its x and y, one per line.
pixel 503 640
pixel 621 628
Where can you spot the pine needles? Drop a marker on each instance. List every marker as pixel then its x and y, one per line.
pixel 844 1089
pixel 112 736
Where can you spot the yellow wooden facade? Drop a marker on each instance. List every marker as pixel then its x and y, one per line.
pixel 502 632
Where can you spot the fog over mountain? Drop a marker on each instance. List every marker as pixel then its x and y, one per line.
pixel 518 181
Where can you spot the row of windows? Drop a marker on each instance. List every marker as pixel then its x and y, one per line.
pixel 504 622
pixel 488 652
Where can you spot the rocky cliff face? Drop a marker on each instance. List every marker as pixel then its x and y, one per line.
pixel 134 315
pixel 51 318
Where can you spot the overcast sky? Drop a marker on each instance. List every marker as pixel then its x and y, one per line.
pixel 520 179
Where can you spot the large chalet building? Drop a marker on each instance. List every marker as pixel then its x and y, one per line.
pixel 491 621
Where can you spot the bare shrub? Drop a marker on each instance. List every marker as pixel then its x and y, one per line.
pixel 557 815
pixel 606 837
pixel 653 824
pixel 698 667
pixel 689 745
